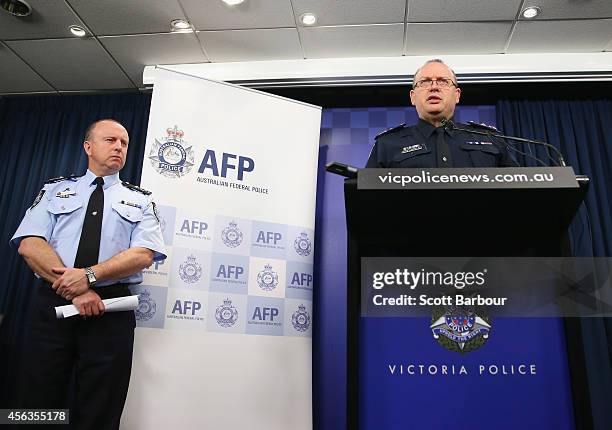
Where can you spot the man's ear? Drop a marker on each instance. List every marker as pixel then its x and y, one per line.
pixel 458 93
pixel 412 97
pixel 87 147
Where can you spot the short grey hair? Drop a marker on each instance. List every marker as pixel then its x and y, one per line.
pixel 433 60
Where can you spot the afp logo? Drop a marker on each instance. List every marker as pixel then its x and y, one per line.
pixel 170 155
pixel 302 245
pixel 231 235
pixel 226 314
pixel 300 319
pixel 226 165
pixel 146 307
pixel 267 279
pixel 190 270
pixel 186 307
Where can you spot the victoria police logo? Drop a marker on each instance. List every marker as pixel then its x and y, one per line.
pixel 231 235
pixel 267 279
pixel 171 156
pixel 302 245
pixel 226 314
pixel 460 328
pixel 146 307
pixel 190 271
pixel 300 319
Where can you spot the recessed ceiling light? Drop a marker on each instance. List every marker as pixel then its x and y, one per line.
pixel 77 31
pixel 16 7
pixel 531 12
pixel 308 19
pixel 180 25
pixel 232 2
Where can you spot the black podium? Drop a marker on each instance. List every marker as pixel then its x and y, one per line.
pixel 495 212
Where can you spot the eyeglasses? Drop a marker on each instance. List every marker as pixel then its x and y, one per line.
pixel 441 82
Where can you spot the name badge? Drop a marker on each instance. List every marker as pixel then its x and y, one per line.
pixel 412 148
pixel 65 194
pixel 134 205
pixel 479 143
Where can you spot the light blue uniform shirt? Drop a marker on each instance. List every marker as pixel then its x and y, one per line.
pixel 129 220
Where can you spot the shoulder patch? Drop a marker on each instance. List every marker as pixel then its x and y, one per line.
pixel 136 188
pixel 482 125
pixel 62 178
pixel 390 130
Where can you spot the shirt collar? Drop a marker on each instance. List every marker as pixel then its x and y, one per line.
pixel 109 180
pixel 428 129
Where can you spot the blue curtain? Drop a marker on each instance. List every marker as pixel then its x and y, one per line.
pixel 40 138
pixel 580 129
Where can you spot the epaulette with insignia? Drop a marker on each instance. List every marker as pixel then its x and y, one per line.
pixel 136 188
pixel 62 178
pixel 483 125
pixel 390 130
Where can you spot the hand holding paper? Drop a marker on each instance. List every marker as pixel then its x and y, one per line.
pixel 117 304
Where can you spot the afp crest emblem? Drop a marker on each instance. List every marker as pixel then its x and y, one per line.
pixel 300 319
pixel 302 245
pixel 226 314
pixel 460 328
pixel 170 155
pixel 267 279
pixel 190 271
pixel 231 235
pixel 146 307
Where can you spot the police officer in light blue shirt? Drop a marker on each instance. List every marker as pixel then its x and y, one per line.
pixel 98 346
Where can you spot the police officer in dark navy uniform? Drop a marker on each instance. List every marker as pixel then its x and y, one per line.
pixel 432 143
pixel 88 238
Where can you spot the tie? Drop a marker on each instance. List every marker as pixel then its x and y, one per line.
pixel 89 245
pixel 443 150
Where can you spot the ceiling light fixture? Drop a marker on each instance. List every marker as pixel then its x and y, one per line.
pixel 233 2
pixel 77 31
pixel 308 18
pixel 531 12
pixel 16 7
pixel 180 25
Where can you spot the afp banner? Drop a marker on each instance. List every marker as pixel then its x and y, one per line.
pixel 225 322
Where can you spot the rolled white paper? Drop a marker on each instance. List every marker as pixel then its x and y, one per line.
pixel 118 304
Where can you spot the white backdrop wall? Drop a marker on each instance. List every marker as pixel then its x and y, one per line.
pixel 225 322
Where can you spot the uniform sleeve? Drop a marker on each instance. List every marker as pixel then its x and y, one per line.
pixel 148 234
pixel 374 158
pixel 38 221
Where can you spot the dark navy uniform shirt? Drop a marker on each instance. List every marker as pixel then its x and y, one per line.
pixel 417 146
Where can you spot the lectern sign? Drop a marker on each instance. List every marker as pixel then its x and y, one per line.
pixel 461 178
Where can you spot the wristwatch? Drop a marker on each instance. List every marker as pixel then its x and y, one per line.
pixel 91 276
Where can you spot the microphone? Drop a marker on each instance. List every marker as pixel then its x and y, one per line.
pixel 450 125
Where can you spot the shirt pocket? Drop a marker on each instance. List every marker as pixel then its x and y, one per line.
pixel 482 155
pixel 125 218
pixel 66 214
pixel 418 158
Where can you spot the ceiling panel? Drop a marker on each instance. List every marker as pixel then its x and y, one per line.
pixel 462 10
pixel 568 9
pixel 110 17
pixel 72 64
pixel 561 36
pixel 340 12
pixel 49 19
pixel 17 76
pixel 457 38
pixel 136 51
pixel 380 40
pixel 251 45
pixel 216 15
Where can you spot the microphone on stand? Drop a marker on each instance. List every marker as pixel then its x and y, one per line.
pixel 450 125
